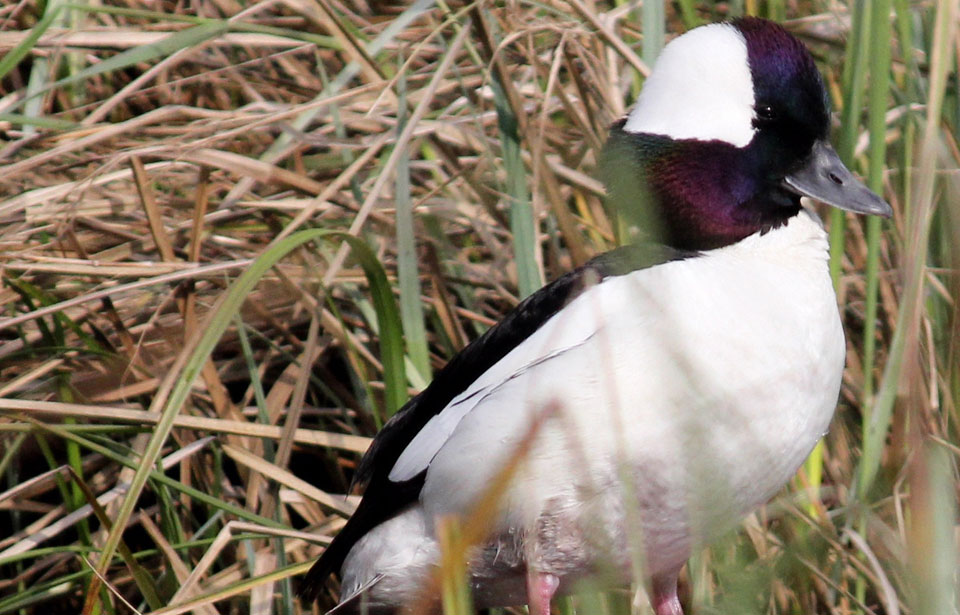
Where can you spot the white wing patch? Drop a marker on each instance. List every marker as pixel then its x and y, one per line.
pixel 421 450
pixel 568 328
pixel 418 454
pixel 701 89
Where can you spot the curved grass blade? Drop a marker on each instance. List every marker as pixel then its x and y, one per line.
pixel 145 53
pixel 12 58
pixel 176 387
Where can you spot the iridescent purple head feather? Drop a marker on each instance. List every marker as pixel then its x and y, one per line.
pixel 729 111
pixel 783 70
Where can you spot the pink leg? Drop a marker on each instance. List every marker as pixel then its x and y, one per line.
pixel 540 589
pixel 664 597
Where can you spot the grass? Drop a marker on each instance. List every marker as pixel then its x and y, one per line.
pixel 235 241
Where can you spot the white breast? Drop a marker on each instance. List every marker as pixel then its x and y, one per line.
pixel 708 379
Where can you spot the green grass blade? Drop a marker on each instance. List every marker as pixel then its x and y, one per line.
pixel 522 224
pixel 155 475
pixel 177 385
pixel 857 54
pixel 876 120
pixel 144 53
pixel 259 396
pixel 388 319
pixel 654 30
pixel 41 72
pixel 932 540
pixel 688 11
pixel 408 271
pixel 776 10
pixel 879 93
pixel 855 65
pixel 350 71
pixel 904 345
pixel 454 589
pixel 13 57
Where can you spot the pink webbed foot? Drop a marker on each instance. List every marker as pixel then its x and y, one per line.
pixel 664 597
pixel 540 590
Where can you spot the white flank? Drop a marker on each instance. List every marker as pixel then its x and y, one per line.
pixel 390 562
pixel 701 88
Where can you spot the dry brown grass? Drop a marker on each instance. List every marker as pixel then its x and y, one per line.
pixel 145 190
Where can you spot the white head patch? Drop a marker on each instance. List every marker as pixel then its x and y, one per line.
pixel 700 88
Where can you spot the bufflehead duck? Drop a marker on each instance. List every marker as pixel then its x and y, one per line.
pixel 669 387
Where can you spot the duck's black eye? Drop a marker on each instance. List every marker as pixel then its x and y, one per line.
pixel 766 114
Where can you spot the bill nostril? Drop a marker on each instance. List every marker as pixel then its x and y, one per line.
pixel 835 179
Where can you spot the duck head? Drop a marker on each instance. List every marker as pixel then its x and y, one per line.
pixel 730 130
